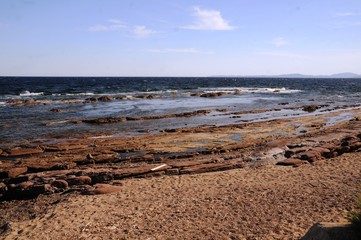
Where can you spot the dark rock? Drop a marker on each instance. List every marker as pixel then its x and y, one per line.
pixel 355 146
pixel 101 177
pixel 104 99
pixel 294 151
pixel 331 231
pixel 3 188
pixel 60 184
pixel 55 110
pixel 311 156
pixel 105 120
pixel 82 180
pixel 19 179
pixel 172 171
pixel 4 229
pixel 310 108
pixel 63 166
pixel 212 95
pixel 92 99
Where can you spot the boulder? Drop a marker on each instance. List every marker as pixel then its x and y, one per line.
pixel 331 231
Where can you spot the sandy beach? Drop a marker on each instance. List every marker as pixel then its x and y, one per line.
pixel 269 202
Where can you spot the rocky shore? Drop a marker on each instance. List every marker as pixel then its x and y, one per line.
pixel 266 159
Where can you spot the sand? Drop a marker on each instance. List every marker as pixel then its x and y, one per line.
pixel 267 202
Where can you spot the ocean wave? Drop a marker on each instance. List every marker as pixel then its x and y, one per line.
pixel 28 94
pixel 80 94
pixel 250 90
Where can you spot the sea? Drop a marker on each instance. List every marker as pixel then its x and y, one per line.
pixel 33 108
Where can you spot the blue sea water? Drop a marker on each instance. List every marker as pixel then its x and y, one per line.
pixel 169 95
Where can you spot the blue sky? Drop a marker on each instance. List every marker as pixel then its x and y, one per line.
pixel 179 38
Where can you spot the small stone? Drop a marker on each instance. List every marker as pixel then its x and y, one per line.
pixel 103 189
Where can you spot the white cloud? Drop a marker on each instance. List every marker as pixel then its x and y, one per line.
pixel 177 50
pixel 279 42
pixel 142 31
pixel 112 25
pixel 209 20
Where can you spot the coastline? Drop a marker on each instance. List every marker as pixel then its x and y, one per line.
pixel 184 177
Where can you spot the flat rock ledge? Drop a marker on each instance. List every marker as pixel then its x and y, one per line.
pixel 332 231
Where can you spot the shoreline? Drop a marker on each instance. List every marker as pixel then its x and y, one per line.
pixel 280 152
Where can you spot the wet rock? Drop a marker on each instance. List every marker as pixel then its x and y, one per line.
pixel 105 120
pixel 55 110
pixel 92 99
pixel 60 184
pixel 104 99
pixel 292 162
pixel 212 95
pixel 103 189
pixel 310 108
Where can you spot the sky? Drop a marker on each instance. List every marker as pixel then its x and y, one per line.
pixel 179 38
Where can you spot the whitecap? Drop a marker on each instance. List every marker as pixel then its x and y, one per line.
pixel 80 94
pixel 28 94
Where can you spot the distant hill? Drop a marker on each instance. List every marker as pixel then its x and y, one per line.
pixel 337 75
pixel 298 75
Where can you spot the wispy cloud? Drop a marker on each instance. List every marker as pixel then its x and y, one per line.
pixel 141 31
pixel 281 54
pixel 178 50
pixel 111 25
pixel 344 24
pixel 209 20
pixel 279 42
pixel 347 14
